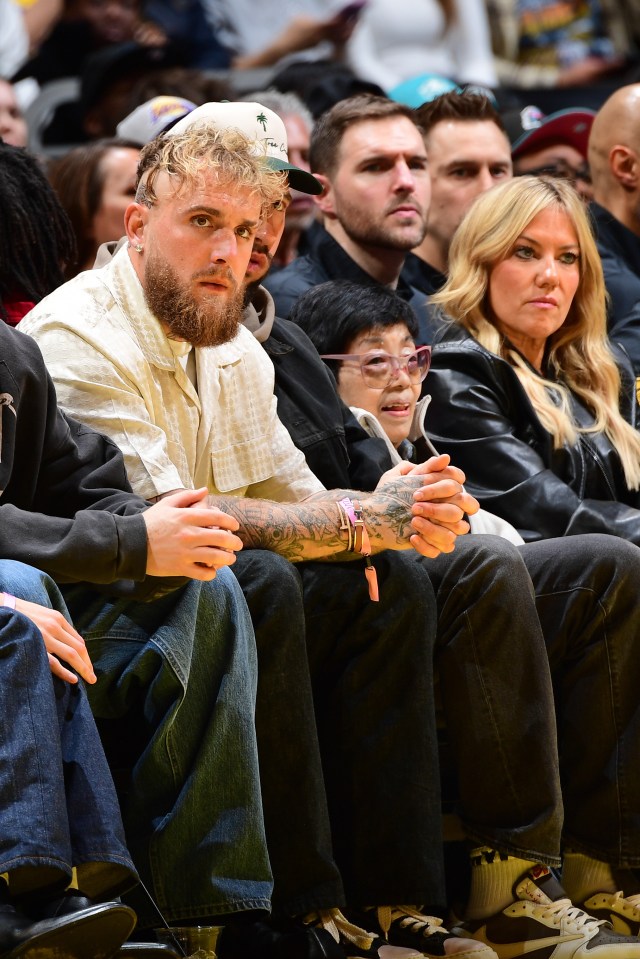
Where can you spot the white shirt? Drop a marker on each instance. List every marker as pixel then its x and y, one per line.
pixel 115 369
pixel 395 40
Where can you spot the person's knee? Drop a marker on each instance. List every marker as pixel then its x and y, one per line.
pixel 261 570
pixel 486 555
pixel 26 582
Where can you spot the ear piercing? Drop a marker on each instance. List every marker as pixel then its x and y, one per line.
pixel 138 247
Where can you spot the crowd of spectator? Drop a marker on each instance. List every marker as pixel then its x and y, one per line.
pixel 319 471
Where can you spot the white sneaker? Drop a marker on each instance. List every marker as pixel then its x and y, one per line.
pixel 543 921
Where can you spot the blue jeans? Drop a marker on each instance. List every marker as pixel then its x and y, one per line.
pixel 175 704
pixel 58 805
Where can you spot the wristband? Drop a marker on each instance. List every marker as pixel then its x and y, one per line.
pixel 353 516
pixel 8 600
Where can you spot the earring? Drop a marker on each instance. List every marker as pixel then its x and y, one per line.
pixel 138 248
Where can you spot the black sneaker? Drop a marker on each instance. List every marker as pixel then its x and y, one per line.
pixel 407 926
pixel 543 921
pixel 356 942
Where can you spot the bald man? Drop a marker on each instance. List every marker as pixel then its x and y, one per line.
pixel 614 159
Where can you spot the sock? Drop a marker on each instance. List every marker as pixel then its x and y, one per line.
pixel 493 876
pixel 582 876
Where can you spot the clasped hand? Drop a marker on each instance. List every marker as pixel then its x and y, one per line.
pixel 187 537
pixel 436 503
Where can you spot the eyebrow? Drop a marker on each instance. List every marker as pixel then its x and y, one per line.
pixel 530 239
pixel 218 214
pixel 373 339
pixel 391 157
pixel 476 162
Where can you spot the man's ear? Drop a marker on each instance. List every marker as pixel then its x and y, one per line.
pixel 136 217
pixel 325 200
pixel 625 166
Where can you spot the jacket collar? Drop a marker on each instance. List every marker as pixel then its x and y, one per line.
pixel 615 235
pixel 337 263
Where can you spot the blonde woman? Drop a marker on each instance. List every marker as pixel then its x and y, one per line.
pixel 526 389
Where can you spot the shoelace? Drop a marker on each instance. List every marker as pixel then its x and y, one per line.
pixel 578 920
pixel 627 901
pixel 339 927
pixel 407 916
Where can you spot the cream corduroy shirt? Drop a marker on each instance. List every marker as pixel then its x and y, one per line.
pixel 115 369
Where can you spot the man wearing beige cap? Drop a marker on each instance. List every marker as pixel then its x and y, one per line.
pixel 150 348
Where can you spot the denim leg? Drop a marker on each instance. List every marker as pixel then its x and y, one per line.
pixel 497 697
pixel 59 807
pixel 587 598
pixel 295 810
pixel 175 696
pixel 372 671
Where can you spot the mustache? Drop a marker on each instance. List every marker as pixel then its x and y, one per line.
pixel 262 248
pixel 217 273
pixel 408 200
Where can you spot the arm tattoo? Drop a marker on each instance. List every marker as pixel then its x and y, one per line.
pixel 311 529
pixel 297 531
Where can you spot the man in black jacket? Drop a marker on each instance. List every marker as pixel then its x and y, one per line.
pixel 468 153
pixel 369 156
pixel 614 160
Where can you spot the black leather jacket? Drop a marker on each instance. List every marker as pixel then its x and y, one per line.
pixel 481 415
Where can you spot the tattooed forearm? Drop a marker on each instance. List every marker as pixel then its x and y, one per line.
pixel 297 531
pixel 311 529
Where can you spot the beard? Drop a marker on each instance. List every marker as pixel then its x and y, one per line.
pixel 367 229
pixel 210 323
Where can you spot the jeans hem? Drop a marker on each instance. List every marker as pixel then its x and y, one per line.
pixel 147 920
pixel 509 849
pixel 616 861
pixel 312 903
pixel 18 862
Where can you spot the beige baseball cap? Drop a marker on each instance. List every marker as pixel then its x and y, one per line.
pixel 257 123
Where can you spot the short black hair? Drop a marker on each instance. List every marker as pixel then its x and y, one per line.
pixel 333 314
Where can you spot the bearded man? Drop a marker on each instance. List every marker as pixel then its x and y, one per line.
pixel 370 158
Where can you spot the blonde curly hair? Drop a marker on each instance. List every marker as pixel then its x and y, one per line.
pixel 579 358
pixel 203 147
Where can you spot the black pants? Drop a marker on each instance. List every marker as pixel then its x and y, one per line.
pixel 361 674
pixel 518 628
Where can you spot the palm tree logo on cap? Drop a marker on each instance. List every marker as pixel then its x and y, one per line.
pixel 262 120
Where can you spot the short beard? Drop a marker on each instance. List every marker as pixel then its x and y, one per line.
pixel 207 324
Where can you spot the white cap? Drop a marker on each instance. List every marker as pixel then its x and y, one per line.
pixel 257 123
pixel 151 118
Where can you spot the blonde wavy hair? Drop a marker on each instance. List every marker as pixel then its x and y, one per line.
pixel 202 147
pixel 579 358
